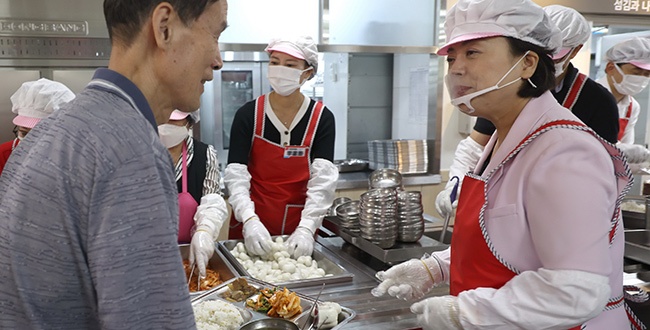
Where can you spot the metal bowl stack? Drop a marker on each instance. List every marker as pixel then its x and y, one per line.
pixel 377 220
pixel 410 221
pixel 348 214
pixel 337 201
pixel 385 178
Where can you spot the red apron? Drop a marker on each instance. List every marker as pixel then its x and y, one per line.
pixel 279 176
pixel 187 206
pixel 622 122
pixel 473 264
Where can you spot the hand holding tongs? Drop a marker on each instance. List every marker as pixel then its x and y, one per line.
pixel 198 278
pixel 312 319
pixel 452 197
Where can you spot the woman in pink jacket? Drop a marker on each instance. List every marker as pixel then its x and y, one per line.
pixel 538 238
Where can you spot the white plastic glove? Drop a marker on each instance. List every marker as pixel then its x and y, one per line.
pixel 411 279
pixel 300 243
pixel 444 206
pixel 635 153
pixel 201 249
pixel 439 313
pixel 256 237
pixel 209 217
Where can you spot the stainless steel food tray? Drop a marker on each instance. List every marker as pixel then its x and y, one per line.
pixel 395 254
pixel 248 314
pixel 321 255
pixel 217 263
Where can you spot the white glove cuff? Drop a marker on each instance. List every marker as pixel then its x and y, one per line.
pixel 435 269
pixel 310 224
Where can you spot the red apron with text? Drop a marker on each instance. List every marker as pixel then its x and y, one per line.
pixel 187 206
pixel 473 264
pixel 622 122
pixel 279 176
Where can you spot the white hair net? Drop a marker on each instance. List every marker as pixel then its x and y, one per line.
pixel 35 100
pixel 302 47
pixel 574 27
pixel 635 51
pixel 519 19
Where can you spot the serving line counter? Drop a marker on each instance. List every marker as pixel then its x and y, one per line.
pixel 355 180
pixel 371 312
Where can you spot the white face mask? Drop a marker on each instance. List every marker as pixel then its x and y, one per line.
pixel 559 67
pixel 285 80
pixel 631 84
pixel 465 99
pixel 172 135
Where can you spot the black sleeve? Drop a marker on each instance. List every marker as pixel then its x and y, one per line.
pixel 241 134
pixel 323 145
pixel 484 126
pixel 597 108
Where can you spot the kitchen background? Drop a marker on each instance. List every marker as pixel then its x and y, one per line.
pixel 378 71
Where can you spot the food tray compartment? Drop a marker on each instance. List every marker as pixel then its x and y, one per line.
pixel 305 302
pixel 338 273
pixel 217 262
pixel 218 293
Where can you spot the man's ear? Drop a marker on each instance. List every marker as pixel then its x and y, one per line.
pixel 162 20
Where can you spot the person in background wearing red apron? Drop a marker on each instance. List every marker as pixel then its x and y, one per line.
pixel 627 73
pixel 280 173
pixel 538 237
pixel 589 101
pixel 202 209
pixel 33 101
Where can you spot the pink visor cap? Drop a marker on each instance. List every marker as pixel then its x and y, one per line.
pixel 180 115
pixel 635 51
pixel 520 19
pixel 35 100
pixel 642 65
pixel 561 53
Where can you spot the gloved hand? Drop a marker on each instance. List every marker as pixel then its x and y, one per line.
pixel 635 153
pixel 439 313
pixel 444 206
pixel 201 249
pixel 300 243
pixel 411 279
pixel 256 237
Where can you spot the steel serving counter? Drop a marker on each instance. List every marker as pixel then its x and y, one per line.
pixel 371 312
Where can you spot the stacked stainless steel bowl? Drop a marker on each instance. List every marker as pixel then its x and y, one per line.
pixel 377 220
pixel 337 201
pixel 410 219
pixel 385 178
pixel 348 214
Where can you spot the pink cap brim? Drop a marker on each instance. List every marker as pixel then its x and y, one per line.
pixel 23 121
pixel 642 65
pixel 466 37
pixel 178 115
pixel 287 49
pixel 563 51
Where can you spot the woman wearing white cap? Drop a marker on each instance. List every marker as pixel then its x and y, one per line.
pixel 202 209
pixel 538 239
pixel 627 73
pixel 280 173
pixel 33 101
pixel 587 99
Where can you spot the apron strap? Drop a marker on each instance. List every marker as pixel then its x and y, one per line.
pixel 184 178
pixel 259 115
pixel 574 91
pixel 313 124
